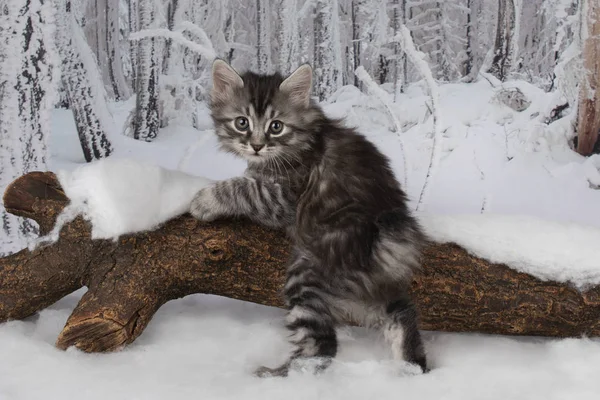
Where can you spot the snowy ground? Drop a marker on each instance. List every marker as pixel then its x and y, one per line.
pixel 205 347
pixel 505 180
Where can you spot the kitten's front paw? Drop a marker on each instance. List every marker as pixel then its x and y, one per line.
pixel 204 207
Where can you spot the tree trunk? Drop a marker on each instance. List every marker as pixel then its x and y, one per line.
pixel 113 49
pixel 147 120
pixel 289 37
pixel 167 50
pixel 263 36
pixel 84 88
pixel 356 37
pixel 101 44
pixel 229 33
pixel 588 126
pixel 327 55
pixel 133 16
pixel 469 43
pixel 400 62
pixel 503 51
pixel 27 88
pixel 129 279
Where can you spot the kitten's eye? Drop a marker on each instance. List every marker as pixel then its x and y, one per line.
pixel 241 124
pixel 276 127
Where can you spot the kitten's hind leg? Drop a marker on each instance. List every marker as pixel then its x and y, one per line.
pixel 400 329
pixel 309 320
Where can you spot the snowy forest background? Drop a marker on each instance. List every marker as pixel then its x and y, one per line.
pixel 87 54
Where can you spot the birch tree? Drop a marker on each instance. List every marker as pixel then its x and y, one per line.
pixel 83 82
pixel 328 57
pixel 100 45
pixel 588 124
pixel 146 121
pixel 469 39
pixel 400 69
pixel 357 36
pixel 289 51
pixel 263 36
pixel 503 47
pixel 132 17
pixel 28 70
pixel 229 33
pixel 113 50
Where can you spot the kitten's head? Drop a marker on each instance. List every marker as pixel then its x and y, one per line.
pixel 264 117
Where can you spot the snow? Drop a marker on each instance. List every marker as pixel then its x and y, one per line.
pixel 206 347
pixel 548 250
pixel 120 196
pixel 507 187
pixel 418 60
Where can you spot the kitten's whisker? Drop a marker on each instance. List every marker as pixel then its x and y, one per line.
pixel 283 166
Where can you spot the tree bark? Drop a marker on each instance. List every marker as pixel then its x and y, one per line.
pixel 129 279
pixel 356 8
pixel 503 47
pixel 263 37
pixel 84 88
pixel 147 119
pixel 27 73
pixel 326 42
pixel 469 43
pixel 101 45
pixel 133 19
pixel 113 49
pixel 588 126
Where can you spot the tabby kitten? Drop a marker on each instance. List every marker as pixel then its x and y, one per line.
pixel 355 244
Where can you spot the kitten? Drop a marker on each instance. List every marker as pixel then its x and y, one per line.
pixel 355 244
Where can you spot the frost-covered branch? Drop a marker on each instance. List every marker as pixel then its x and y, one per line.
pixel 374 89
pixel 418 60
pixel 205 50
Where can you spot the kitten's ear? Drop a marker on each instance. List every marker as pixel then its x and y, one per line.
pixel 299 85
pixel 225 81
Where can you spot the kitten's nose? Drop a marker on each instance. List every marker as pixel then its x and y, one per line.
pixel 257 147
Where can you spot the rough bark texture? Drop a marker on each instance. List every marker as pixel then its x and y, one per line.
pixel 588 126
pixel 503 51
pixel 130 279
pixel 84 92
pixel 147 118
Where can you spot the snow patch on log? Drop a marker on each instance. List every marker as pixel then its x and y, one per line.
pixel 120 196
pixel 548 250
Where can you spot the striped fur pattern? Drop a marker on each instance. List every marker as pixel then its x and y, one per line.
pixel 355 243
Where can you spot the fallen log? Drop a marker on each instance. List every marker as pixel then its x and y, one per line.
pixel 129 279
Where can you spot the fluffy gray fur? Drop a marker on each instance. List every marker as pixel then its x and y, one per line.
pixel 355 243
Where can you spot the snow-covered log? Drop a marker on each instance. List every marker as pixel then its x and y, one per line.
pixel 588 127
pixel 85 88
pixel 129 279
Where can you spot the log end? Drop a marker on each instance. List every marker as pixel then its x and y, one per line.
pixel 96 335
pixel 36 195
